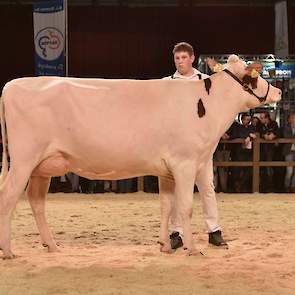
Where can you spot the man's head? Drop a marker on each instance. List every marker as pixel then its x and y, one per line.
pixel 265 118
pixel 184 58
pixel 291 119
pixel 255 121
pixel 245 118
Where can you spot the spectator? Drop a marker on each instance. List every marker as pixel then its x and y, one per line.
pixel 87 185
pixel 289 153
pixel 223 153
pixel 74 180
pixel 255 122
pixel 127 185
pixel 242 175
pixel 269 130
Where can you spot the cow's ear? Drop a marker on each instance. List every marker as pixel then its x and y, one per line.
pixel 254 69
pixel 214 65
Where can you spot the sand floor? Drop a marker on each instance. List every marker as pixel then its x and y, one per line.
pixel 109 245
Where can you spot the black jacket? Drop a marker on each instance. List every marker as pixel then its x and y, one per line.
pixel 287 133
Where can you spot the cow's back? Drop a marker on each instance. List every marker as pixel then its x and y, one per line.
pixel 134 123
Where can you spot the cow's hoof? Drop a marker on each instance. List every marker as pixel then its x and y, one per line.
pixel 166 248
pixel 53 249
pixel 9 256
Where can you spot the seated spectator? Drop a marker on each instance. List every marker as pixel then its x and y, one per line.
pixel 243 175
pixel 269 130
pixel 289 153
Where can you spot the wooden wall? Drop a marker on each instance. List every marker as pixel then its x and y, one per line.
pixel 137 42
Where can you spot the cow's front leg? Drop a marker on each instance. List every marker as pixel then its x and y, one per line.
pixel 166 187
pixel 184 191
pixel 37 190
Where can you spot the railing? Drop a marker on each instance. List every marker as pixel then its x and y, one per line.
pixel 256 163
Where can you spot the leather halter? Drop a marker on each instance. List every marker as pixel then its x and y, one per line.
pixel 246 86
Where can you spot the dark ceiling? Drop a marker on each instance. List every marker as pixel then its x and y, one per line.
pixel 153 3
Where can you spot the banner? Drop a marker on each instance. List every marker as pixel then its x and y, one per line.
pixel 281 29
pixel 49 38
pixel 281 70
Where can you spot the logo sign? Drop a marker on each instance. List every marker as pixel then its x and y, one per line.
pixel 49 44
pixel 284 70
pixel 49 38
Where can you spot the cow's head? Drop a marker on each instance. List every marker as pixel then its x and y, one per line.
pixel 258 90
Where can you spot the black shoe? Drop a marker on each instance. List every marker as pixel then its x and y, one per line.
pixel 216 239
pixel 176 240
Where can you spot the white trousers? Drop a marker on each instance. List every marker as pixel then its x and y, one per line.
pixel 204 181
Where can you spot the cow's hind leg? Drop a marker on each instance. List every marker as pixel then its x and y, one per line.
pixel 166 187
pixel 13 186
pixel 37 190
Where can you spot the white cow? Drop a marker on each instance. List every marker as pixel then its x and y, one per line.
pixel 113 129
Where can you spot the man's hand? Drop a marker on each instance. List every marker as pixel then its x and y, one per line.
pixel 225 136
pixel 247 140
pixel 269 136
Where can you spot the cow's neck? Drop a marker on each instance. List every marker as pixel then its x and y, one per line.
pixel 228 101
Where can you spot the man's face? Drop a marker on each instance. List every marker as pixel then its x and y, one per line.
pixel 255 121
pixel 292 120
pixel 183 62
pixel 246 120
pixel 264 119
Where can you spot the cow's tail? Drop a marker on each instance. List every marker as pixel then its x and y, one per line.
pixel 4 169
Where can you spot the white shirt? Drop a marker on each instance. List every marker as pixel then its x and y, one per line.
pixel 197 75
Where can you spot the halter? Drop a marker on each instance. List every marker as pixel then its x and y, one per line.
pixel 246 87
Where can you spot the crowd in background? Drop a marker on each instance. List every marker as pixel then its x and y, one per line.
pixel 272 179
pixel 226 179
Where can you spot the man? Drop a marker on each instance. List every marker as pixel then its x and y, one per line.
pixel 244 152
pixel 269 130
pixel 289 153
pixel 184 58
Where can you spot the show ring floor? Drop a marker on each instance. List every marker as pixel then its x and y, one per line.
pixel 109 245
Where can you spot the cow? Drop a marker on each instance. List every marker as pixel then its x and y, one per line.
pixel 114 129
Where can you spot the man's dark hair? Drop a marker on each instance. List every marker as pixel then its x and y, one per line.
pixel 244 115
pixel 266 115
pixel 183 46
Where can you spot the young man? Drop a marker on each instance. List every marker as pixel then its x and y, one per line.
pixel 184 58
pixel 244 152
pixel 289 153
pixel 269 130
